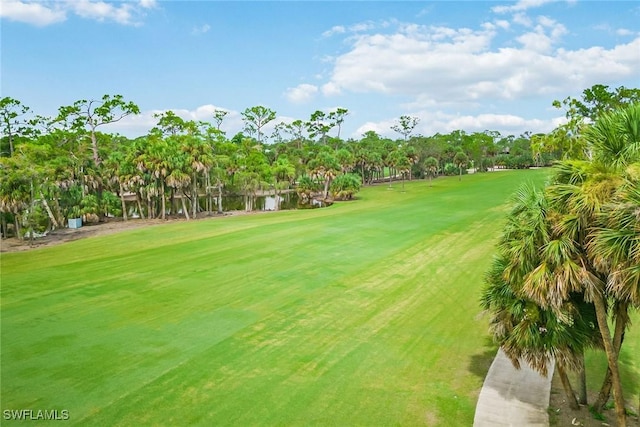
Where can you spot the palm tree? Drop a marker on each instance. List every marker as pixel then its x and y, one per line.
pixel 460 160
pixel 431 166
pixel 615 245
pixel 399 161
pixel 525 328
pixel 154 161
pixel 283 173
pixel 578 193
pixel 199 156
pixel 615 248
pixel 595 204
pixel 324 167
pixel 345 186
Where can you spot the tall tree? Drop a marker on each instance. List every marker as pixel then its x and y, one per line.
pixel 13 122
pixel 597 100
pixel 405 125
pixel 337 117
pixel 89 115
pixel 170 124
pixel 255 119
pixel 319 125
pixel 219 116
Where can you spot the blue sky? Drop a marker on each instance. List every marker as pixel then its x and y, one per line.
pixel 470 65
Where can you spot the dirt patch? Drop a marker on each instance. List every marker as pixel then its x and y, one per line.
pixel 108 226
pixel 560 414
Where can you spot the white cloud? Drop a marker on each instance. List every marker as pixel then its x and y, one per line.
pixel 201 29
pixel 330 89
pixel 520 6
pixel 362 26
pixel 624 32
pixel 535 41
pixel 441 122
pixel 538 40
pixel 507 123
pixel 449 65
pixel 101 11
pixel 141 124
pixel 356 28
pixel 43 13
pixel 503 24
pixel 301 94
pixel 381 128
pixel 38 14
pixel 148 4
pixel 522 19
pixel 338 29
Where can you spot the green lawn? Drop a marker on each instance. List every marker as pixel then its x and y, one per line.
pixel 363 313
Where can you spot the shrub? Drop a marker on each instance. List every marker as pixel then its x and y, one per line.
pixel 345 186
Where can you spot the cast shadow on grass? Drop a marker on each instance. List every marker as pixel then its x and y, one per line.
pixel 479 363
pixel 631 380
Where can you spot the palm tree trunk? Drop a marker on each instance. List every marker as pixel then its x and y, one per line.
pixel 612 358
pixel 141 213
pixel 207 185
pixel 122 202
pixel 566 385
pixel 163 202
pixel 194 197
pixel 618 337
pixel 184 206
pixel 16 222
pixel 48 209
pixel 605 392
pixel 277 197
pixel 582 383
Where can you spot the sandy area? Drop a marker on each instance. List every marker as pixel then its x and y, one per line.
pixel 62 235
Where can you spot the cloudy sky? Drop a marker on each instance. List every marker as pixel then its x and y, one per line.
pixel 470 65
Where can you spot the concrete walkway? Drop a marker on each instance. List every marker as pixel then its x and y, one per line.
pixel 512 397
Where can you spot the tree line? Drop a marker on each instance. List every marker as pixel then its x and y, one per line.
pixel 56 168
pixel 567 270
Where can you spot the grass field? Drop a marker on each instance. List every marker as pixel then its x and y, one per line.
pixel 363 313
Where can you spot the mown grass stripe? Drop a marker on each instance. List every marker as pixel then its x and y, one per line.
pixel 363 313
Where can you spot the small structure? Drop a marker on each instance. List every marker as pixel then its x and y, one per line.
pixel 75 222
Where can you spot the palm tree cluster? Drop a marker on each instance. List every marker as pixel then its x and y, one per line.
pixel 53 169
pixel 568 261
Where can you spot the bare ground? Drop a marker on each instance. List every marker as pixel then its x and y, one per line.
pixel 560 414
pixel 109 226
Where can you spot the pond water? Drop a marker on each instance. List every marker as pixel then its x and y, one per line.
pixel 265 203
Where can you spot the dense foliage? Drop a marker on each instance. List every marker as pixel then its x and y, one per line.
pixel 568 263
pixel 56 168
